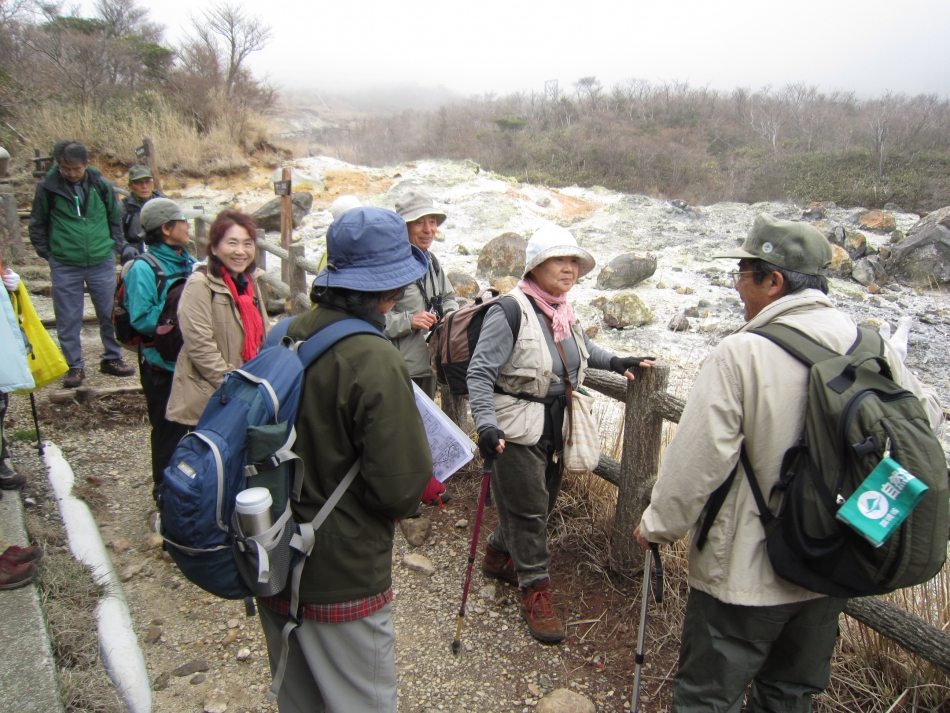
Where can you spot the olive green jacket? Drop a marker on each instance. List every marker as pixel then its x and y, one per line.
pixel 356 402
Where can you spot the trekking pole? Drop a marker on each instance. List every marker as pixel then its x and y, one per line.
pixel 36 422
pixel 644 601
pixel 486 477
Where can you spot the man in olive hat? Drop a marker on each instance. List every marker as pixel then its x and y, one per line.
pixel 745 624
pixel 142 188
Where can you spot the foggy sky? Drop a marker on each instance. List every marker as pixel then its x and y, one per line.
pixel 499 46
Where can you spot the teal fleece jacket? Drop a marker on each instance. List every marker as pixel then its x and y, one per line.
pixel 142 300
pixel 79 235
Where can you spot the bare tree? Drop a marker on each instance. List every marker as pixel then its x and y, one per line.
pixel 241 34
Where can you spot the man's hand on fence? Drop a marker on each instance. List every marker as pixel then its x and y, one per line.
pixel 424 321
pixel 641 540
pixel 623 365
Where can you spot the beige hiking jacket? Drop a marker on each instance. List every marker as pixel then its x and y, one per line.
pixel 750 390
pixel 214 338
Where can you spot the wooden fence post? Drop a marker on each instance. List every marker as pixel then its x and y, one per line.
pixel 152 161
pixel 12 221
pixel 298 279
pixel 201 238
pixel 260 255
pixel 286 226
pixel 456 408
pixel 642 432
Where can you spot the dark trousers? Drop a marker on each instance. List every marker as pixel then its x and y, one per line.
pixel 784 651
pixel 427 384
pixel 525 484
pixel 157 386
pixel 4 450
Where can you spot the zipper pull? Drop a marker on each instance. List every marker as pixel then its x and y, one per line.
pixel 840 499
pixel 887 448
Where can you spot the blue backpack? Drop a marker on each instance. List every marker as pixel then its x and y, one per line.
pixel 244 439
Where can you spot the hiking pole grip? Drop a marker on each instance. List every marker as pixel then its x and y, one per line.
pixel 658 573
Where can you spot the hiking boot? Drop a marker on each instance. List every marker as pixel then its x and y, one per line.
pixel 15 574
pixel 537 608
pixel 116 367
pixel 9 478
pixel 444 497
pixel 499 565
pixel 23 554
pixel 74 378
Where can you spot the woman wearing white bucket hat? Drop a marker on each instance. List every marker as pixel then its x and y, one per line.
pixel 518 385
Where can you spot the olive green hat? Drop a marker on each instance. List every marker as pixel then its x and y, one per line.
pixel 137 173
pixel 795 246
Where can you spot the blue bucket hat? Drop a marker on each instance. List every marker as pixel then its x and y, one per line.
pixel 368 250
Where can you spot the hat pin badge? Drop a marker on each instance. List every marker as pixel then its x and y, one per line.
pixel 766 248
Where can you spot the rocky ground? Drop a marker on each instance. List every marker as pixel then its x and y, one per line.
pixel 203 653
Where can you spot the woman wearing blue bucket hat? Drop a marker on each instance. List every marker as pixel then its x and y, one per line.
pixel 357 402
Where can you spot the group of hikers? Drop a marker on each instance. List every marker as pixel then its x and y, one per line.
pixel 744 624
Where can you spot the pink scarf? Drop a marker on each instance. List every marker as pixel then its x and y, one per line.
pixel 557 308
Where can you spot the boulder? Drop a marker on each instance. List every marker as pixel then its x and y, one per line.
pixel 416 530
pixel 817 211
pixel 867 271
pixel 503 256
pixel 464 285
pixel 506 284
pixel 679 323
pixel 856 244
pixel 923 257
pixel 877 220
pixel 627 270
pixel 841 263
pixel 267 216
pixel 626 310
pixel 893 208
pixel 561 700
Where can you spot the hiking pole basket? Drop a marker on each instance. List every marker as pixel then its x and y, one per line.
pixel 486 478
pixel 644 602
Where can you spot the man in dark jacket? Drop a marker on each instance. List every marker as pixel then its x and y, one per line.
pixel 75 226
pixel 142 187
pixel 356 403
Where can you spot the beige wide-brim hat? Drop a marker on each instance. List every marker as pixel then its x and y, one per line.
pixel 414 204
pixel 555 241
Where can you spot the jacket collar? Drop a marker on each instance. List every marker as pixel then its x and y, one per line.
pixel 800 301
pixel 55 182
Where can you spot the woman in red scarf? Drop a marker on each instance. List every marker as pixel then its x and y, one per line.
pixel 221 315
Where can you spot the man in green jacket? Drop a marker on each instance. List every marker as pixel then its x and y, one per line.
pixel 356 403
pixel 75 226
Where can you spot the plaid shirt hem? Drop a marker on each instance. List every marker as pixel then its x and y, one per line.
pixel 335 613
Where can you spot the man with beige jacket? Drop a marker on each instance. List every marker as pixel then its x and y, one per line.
pixel 743 623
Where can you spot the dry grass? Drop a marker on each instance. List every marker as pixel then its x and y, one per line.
pixel 115 135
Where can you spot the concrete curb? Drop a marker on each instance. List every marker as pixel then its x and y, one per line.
pixel 118 644
pixel 28 680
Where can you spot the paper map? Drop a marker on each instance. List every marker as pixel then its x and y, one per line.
pixel 451 448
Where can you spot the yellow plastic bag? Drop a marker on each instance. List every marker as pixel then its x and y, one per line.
pixel 46 362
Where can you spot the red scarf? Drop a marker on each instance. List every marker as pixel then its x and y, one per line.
pixel 250 316
pixel 558 309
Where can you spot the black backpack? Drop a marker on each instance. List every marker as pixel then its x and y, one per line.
pixel 125 333
pixel 856 415
pixel 453 340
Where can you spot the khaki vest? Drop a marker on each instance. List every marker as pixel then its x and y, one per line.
pixel 528 370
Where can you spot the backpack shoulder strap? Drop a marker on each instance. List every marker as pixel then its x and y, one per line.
pixel 160 277
pixel 801 346
pixel 512 314
pixel 867 341
pixel 311 350
pixel 718 497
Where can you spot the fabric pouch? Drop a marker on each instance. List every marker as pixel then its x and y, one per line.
pixel 582 441
pixel 882 502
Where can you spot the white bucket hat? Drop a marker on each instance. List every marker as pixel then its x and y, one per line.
pixel 555 241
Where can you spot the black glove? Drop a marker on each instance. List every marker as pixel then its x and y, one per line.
pixel 622 365
pixel 488 441
pixel 129 252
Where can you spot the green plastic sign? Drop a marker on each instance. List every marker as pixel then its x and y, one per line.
pixel 882 502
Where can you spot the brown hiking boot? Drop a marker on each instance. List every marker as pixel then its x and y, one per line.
pixel 499 565
pixel 537 607
pixel 74 378
pixel 116 367
pixel 15 574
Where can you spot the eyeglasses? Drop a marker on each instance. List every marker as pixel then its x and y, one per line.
pixel 737 275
